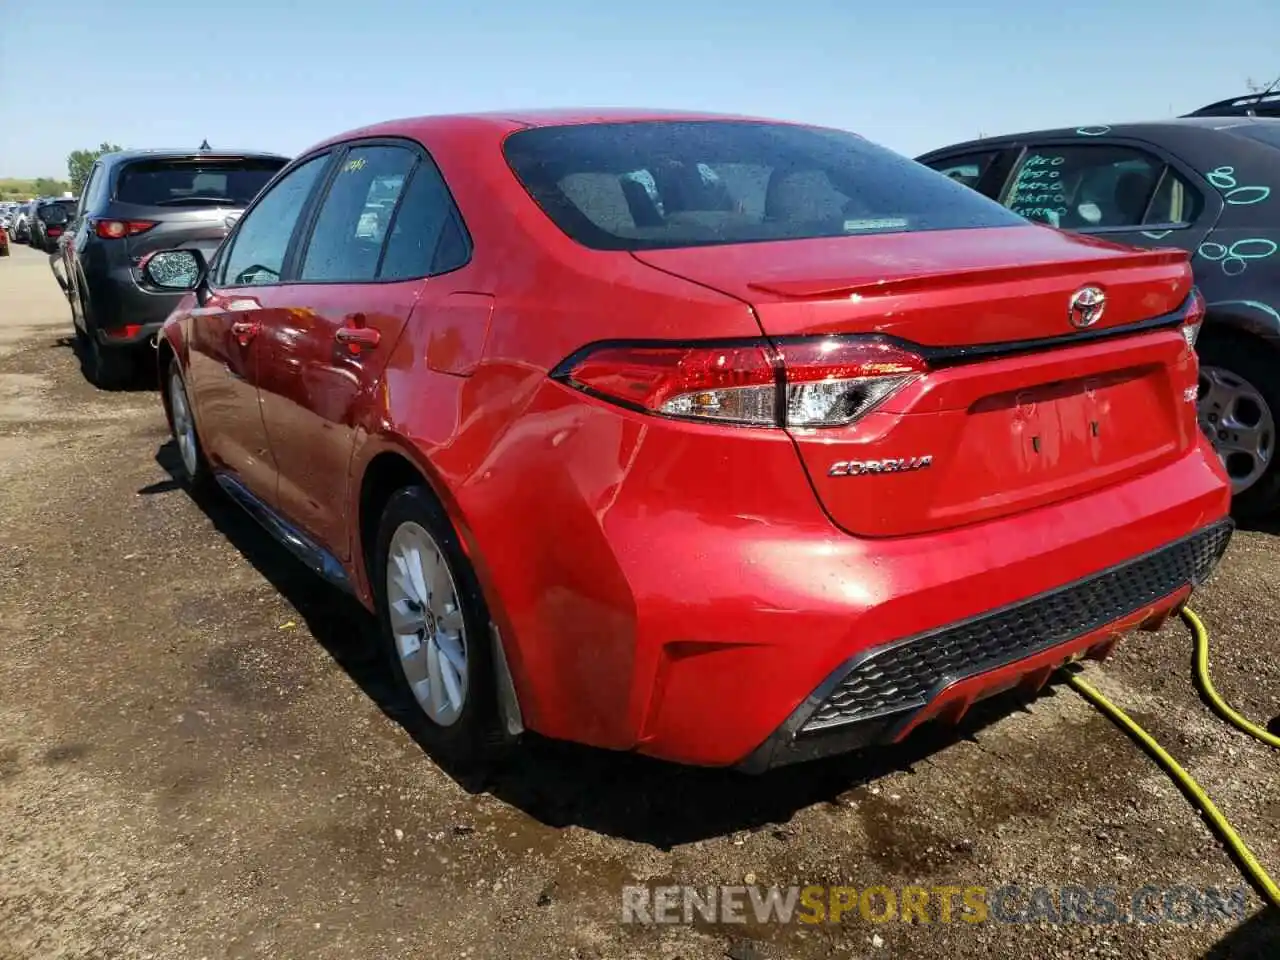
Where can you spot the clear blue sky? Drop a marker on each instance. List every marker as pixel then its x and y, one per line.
pixel 910 75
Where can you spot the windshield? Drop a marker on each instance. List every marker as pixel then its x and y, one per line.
pixel 631 186
pixel 195 181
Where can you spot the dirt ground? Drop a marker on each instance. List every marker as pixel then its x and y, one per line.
pixel 194 761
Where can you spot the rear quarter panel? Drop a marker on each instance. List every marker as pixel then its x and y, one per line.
pixel 492 442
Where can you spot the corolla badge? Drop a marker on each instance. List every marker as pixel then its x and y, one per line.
pixel 1086 307
pixel 858 468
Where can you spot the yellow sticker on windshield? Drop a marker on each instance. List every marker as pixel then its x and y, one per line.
pixel 352 165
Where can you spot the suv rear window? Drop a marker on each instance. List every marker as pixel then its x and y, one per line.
pixel 652 184
pixel 195 181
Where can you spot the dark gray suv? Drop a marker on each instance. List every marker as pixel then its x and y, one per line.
pixel 134 203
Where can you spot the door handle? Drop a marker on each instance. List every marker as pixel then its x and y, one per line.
pixel 244 331
pixel 357 339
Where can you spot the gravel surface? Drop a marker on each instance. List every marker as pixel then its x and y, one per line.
pixel 196 761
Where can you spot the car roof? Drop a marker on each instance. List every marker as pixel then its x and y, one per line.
pixel 497 123
pixel 1154 130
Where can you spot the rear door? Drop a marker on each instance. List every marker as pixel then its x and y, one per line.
pixel 372 246
pixel 186 200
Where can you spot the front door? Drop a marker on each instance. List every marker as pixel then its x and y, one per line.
pixel 225 331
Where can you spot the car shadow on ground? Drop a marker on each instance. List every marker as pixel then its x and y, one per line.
pixel 1255 939
pixel 1269 525
pixel 144 378
pixel 562 784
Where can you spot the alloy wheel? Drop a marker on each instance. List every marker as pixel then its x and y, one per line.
pixel 427 624
pixel 1240 422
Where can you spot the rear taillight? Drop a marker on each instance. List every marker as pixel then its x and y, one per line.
pixel 127 332
pixel 815 382
pixel 1194 318
pixel 834 381
pixel 115 229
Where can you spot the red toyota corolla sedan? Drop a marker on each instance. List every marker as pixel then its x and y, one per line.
pixel 728 441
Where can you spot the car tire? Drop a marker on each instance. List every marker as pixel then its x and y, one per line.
pixel 451 619
pixel 1239 400
pixel 182 427
pixel 108 368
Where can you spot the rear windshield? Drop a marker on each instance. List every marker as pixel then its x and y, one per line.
pixel 633 186
pixel 195 181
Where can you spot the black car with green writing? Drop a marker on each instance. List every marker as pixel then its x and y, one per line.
pixel 1207 184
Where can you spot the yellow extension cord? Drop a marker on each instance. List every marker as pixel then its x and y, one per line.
pixel 1253 870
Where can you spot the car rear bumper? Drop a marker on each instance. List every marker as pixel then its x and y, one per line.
pixel 117 302
pixel 882 694
pixel 661 598
pixel 740 672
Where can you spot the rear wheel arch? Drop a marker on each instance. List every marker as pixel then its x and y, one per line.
pixel 1243 318
pixel 387 473
pixel 1248 347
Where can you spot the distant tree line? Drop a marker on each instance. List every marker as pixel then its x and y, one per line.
pixel 79 163
pixel 12 188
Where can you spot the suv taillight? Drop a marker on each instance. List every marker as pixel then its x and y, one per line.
pixel 1194 318
pixel 813 382
pixel 115 229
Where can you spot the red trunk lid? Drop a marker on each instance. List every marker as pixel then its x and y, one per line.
pixel 976 438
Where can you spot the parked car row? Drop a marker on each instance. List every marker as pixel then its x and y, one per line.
pixel 38 222
pixel 15 220
pixel 729 441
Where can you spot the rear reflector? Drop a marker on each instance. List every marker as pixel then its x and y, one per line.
pixel 127 332
pixel 1194 318
pixel 814 382
pixel 116 229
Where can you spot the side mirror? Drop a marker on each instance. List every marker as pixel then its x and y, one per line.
pixel 174 269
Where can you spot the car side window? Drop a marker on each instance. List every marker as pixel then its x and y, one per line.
pixel 86 191
pixel 426 236
pixel 355 215
pixel 1176 202
pixel 1100 186
pixel 257 251
pixel 967 168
